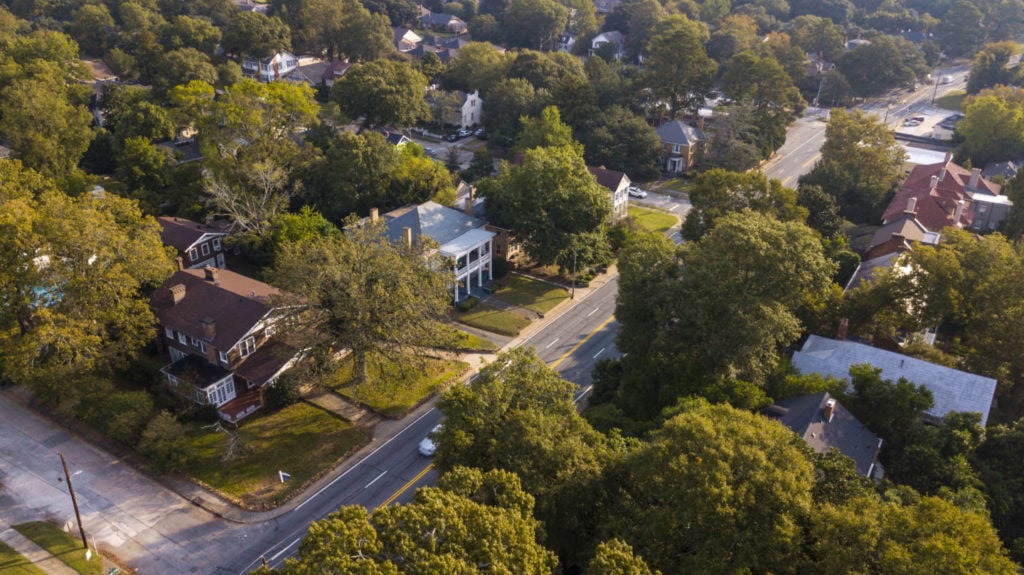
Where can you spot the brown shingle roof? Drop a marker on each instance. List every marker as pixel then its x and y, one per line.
pixel 265 362
pixel 180 233
pixel 607 178
pixel 235 303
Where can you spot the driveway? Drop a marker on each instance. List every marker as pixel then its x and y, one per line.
pixel 126 514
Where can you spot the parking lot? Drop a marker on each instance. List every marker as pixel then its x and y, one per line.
pixel 929 123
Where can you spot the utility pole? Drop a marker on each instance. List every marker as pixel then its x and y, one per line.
pixel 572 294
pixel 74 501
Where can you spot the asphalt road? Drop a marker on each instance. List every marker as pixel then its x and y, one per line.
pixel 806 136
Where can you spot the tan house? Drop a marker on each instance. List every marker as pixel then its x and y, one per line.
pixel 217 328
pixel 682 146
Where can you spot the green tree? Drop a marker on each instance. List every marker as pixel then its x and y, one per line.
pixel 547 200
pixel 142 166
pixel 505 105
pixel 716 489
pixel 443 530
pixel 477 66
pixel 417 178
pixel 822 211
pixel 993 125
pixel 616 557
pixel 257 35
pixel 621 140
pixel 763 82
pixel 382 92
pixel 1000 464
pixel 860 164
pixel 165 444
pixel 817 35
pixel 990 67
pixel 545 131
pixel 887 62
pixel 545 70
pixel 534 23
pixel 732 138
pixel 962 31
pixel 677 68
pixel 359 291
pixel 717 192
pixel 248 144
pixel 93 28
pixel 192 32
pixel 182 66
pixel 303 226
pixel 72 276
pixel 352 175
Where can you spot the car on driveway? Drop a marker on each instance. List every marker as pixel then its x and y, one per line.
pixel 637 192
pixel 911 122
pixel 427 447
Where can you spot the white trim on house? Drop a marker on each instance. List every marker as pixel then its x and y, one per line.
pixel 220 392
pixel 470 254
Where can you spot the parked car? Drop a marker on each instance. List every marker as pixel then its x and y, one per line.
pixel 465 133
pixel 452 137
pixel 637 192
pixel 427 447
pixel 480 133
pixel 429 151
pixel 910 123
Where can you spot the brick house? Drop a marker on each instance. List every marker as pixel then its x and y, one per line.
pixel 198 245
pixel 682 146
pixel 217 328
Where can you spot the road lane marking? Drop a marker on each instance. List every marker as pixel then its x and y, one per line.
pixel 583 393
pixel 553 342
pixel 599 353
pixel 674 208
pixel 582 341
pixel 369 455
pixel 286 547
pixel 592 312
pixel 382 474
pixel 407 485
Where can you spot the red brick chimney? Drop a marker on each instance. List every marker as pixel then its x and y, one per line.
pixel 177 293
pixel 844 325
pixel 209 328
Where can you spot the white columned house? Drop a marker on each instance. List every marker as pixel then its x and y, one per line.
pixel 471 253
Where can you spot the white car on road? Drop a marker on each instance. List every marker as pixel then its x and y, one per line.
pixel 637 192
pixel 427 447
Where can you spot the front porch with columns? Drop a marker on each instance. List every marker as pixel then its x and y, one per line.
pixel 471 254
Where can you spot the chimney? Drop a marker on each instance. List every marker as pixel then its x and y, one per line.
pixel 700 121
pixel 844 326
pixel 374 215
pixel 972 184
pixel 949 156
pixel 911 206
pixel 180 263
pixel 177 293
pixel 469 205
pixel 959 213
pixel 829 410
pixel 934 183
pixel 942 174
pixel 211 274
pixel 209 328
pixel 472 192
pixel 407 235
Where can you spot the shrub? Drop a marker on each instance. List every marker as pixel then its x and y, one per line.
pixel 468 303
pixel 499 267
pixel 165 444
pixel 284 392
pixel 126 414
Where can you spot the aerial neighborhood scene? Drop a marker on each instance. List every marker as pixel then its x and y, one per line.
pixel 568 287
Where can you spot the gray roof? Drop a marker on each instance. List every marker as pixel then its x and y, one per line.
pixel 806 416
pixel 1005 169
pixel 867 268
pixel 908 227
pixel 677 132
pixel 953 390
pixel 440 223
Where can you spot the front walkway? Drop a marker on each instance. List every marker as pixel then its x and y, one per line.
pixel 38 556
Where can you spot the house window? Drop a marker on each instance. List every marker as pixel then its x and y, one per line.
pixel 193 255
pixel 202 346
pixel 216 244
pixel 675 148
pixel 269 331
pixel 248 346
pixel 169 332
pixel 172 380
pixel 181 338
pixel 223 357
pixel 193 341
pixel 222 393
pixel 206 249
pixel 176 355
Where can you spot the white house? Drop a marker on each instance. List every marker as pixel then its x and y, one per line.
pixel 461 237
pixel 613 37
pixel 617 184
pixel 457 108
pixel 269 69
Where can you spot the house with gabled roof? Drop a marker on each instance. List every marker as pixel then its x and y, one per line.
pixel 271 68
pixel 617 183
pixel 198 245
pixel 460 236
pixel 682 146
pixel 952 389
pixel 824 424
pixel 949 195
pixel 217 326
pixel 443 22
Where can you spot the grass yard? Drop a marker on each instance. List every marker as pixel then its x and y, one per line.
pixel 13 563
pixel 953 100
pixel 677 184
pixel 468 341
pixel 494 319
pixel 529 293
pixel 301 439
pixel 653 220
pixel 62 546
pixel 395 387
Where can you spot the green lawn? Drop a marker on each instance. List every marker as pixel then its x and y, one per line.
pixel 953 100
pixel 496 320
pixel 653 220
pixel 529 293
pixel 461 340
pixel 677 184
pixel 301 439
pixel 395 387
pixel 62 546
pixel 13 563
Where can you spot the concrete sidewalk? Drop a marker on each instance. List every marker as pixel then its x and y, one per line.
pixel 35 554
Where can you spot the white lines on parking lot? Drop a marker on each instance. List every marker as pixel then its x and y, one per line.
pixel 600 352
pixel 553 342
pixel 382 474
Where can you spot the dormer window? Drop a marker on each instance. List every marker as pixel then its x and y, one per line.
pixel 248 346
pixel 206 249
pixel 193 255
pixel 223 357
pixel 216 244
